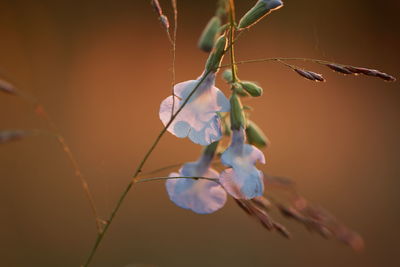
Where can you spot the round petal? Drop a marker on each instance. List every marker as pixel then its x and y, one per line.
pixel 181 128
pixel 183 89
pixel 242 184
pixel 200 196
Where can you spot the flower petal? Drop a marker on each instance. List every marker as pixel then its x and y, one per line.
pixel 180 129
pixel 200 196
pixel 183 89
pixel 242 184
pixel 243 180
pixel 198 119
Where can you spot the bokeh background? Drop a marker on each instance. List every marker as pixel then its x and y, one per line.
pixel 101 69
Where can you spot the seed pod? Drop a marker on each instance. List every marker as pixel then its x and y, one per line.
pixel 310 75
pixel 252 88
pixel 214 60
pixel 237 115
pixel 209 34
pixel 256 136
pixel 258 11
pixel 7 87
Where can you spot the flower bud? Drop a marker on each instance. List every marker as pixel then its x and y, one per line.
pixel 207 38
pixel 216 55
pixel 238 88
pixel 210 149
pixel 252 88
pixel 258 11
pixel 256 136
pixel 237 115
pixel 227 75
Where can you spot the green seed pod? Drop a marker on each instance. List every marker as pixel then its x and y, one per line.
pixel 237 116
pixel 238 88
pixel 255 135
pixel 258 11
pixel 209 34
pixel 252 88
pixel 214 60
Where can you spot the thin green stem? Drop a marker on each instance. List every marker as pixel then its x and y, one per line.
pixel 280 60
pixel 175 8
pixel 175 177
pixel 168 167
pixel 232 38
pixel 138 170
pixel 41 112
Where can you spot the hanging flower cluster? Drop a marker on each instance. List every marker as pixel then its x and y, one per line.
pixel 201 112
pixel 195 111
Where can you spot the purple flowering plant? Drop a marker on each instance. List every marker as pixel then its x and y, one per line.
pixel 199 111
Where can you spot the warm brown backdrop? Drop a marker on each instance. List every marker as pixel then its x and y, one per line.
pixel 102 68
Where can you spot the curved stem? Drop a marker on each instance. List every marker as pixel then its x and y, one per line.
pixel 175 8
pixel 138 170
pixel 280 59
pixel 168 167
pixel 175 177
pixel 41 112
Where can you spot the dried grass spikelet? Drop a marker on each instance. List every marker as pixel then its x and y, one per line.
pixel 254 208
pixel 310 75
pixel 7 87
pixel 359 70
pixel 339 68
pixel 12 135
pixel 284 196
pixel 157 7
pixel 163 19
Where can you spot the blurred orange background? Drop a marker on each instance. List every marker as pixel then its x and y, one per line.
pixel 101 68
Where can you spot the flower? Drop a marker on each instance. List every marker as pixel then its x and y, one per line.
pixel 242 180
pixel 199 195
pixel 198 120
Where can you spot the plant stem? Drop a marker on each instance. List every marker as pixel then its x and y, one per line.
pixel 175 8
pixel 41 112
pixel 280 59
pixel 232 38
pixel 176 177
pixel 138 170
